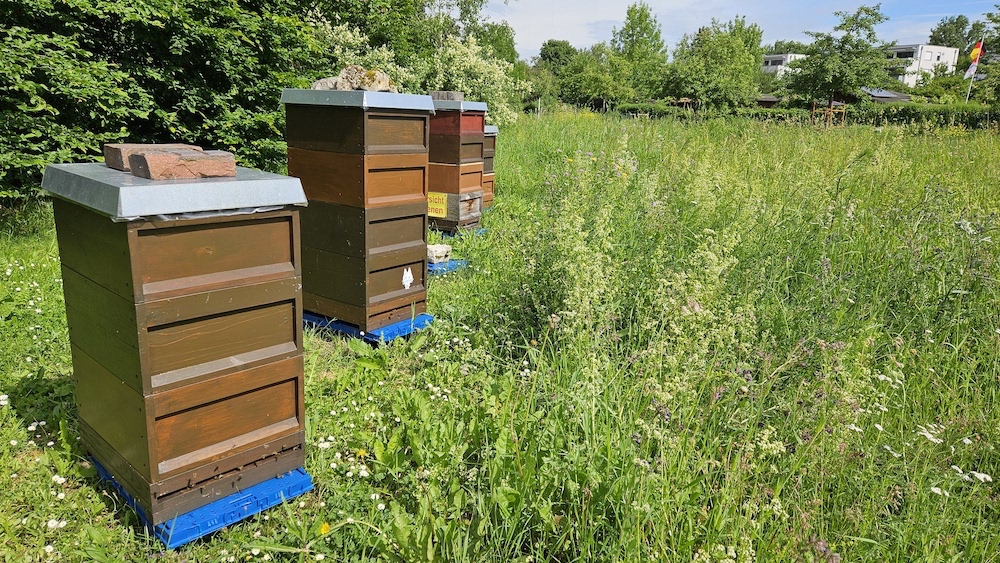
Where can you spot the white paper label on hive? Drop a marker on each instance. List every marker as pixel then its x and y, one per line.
pixel 407 278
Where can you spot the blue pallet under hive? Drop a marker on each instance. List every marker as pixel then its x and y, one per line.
pixel 446 267
pixel 465 232
pixel 404 327
pixel 218 514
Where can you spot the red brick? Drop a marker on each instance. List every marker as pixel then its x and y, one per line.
pixel 116 154
pixel 176 164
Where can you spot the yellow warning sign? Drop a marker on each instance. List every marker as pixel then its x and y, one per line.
pixel 437 204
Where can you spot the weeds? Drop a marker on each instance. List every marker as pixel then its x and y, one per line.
pixel 713 341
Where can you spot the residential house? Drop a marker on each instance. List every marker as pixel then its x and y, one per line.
pixel 778 64
pixel 923 59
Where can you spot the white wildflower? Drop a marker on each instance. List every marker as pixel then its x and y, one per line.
pixel 983 477
pixel 381 506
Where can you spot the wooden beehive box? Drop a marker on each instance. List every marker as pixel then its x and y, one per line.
pixel 185 329
pixel 457 132
pixel 489 148
pixel 366 149
pixel 357 260
pixel 455 178
pixel 460 211
pixel 362 158
pixel 488 190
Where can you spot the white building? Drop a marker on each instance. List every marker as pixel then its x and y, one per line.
pixel 778 64
pixel 923 58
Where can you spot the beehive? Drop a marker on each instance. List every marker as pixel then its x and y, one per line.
pixel 184 308
pixel 362 158
pixel 456 146
pixel 459 211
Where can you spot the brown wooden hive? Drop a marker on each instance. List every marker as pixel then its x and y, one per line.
pixel 363 161
pixel 187 345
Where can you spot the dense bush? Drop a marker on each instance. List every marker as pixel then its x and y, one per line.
pixel 970 116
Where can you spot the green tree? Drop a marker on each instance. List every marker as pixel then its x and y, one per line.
pixel 639 42
pixel 464 65
pixel 498 38
pixel 718 66
pixel 555 54
pixel 841 63
pixel 593 78
pixel 203 72
pixel 781 47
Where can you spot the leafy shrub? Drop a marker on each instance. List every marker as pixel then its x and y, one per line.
pixel 970 116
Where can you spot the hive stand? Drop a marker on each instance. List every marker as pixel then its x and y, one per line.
pixel 184 308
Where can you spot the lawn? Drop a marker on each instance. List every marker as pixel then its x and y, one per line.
pixel 721 340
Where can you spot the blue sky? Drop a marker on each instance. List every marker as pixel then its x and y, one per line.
pixel 585 22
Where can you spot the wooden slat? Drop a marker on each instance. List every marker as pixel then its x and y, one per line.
pixel 192 343
pixel 396 132
pixel 206 303
pixel 473 122
pixel 94 246
pixel 218 388
pixel 334 276
pixel 324 128
pixel 371 318
pixel 113 410
pixel 197 252
pixel 236 423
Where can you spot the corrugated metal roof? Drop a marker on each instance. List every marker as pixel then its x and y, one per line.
pixel 124 197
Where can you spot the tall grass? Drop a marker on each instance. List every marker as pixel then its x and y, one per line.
pixel 711 341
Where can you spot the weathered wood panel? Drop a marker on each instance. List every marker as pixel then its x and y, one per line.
pixel 353 130
pixel 94 246
pixel 489 145
pixel 325 128
pixel 488 165
pixel 473 122
pixel 114 410
pixel 456 149
pixel 358 180
pixel 389 312
pixel 183 439
pixel 455 179
pixel 353 231
pixel 185 257
pixel 195 343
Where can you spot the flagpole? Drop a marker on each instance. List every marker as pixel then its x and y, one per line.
pixel 975 65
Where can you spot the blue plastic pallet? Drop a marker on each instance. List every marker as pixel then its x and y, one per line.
pixel 218 514
pixel 465 232
pixel 404 327
pixel 446 267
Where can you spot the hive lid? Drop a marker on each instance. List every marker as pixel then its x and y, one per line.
pixel 357 98
pixel 449 105
pixel 491 130
pixel 125 197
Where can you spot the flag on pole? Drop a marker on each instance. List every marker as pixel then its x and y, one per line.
pixel 977 52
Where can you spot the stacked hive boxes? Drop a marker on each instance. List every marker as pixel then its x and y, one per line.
pixel 489 151
pixel 456 161
pixel 184 307
pixel 362 159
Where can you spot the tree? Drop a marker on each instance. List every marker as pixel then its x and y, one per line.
pixel 498 38
pixel 719 65
pixel 555 54
pixel 781 47
pixel 841 63
pixel 958 33
pixel 593 78
pixel 639 42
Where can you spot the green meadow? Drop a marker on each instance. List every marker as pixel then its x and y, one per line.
pixel 713 341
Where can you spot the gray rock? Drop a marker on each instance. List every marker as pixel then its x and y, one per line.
pixel 437 253
pixel 447 96
pixel 355 77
